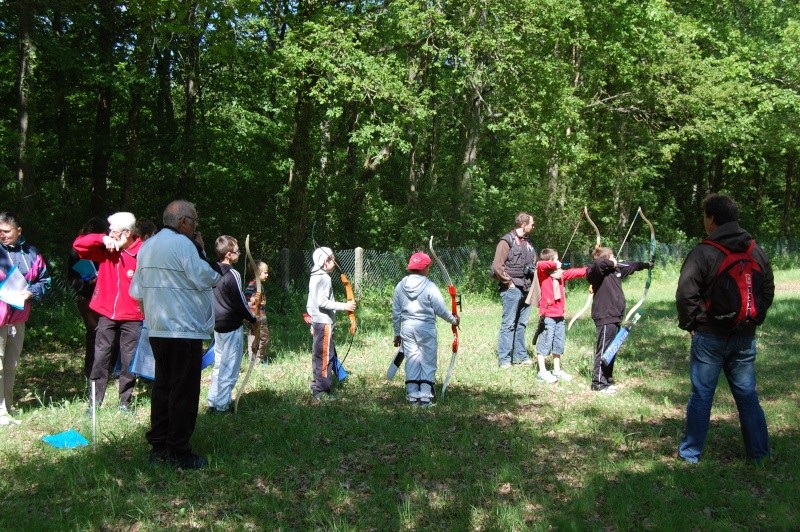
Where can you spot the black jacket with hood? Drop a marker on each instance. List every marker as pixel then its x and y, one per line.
pixel 699 271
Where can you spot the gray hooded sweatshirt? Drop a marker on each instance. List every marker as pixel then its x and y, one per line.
pixel 417 299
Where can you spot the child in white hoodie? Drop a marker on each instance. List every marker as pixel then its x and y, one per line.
pixel 322 306
pixel 417 301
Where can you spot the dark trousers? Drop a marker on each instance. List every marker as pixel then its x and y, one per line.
pixel 90 319
pixel 322 354
pixel 111 333
pixel 176 393
pixel 602 372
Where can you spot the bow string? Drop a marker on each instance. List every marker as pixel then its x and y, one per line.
pixel 256 328
pixel 590 297
pixel 454 302
pixel 651 259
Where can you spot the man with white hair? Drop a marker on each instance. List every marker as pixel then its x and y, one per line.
pixel 120 322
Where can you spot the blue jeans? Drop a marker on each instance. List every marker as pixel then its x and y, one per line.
pixel 552 338
pixel 511 340
pixel 228 349
pixel 736 355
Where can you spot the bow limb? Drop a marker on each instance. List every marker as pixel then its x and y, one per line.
pixel 454 310
pixel 590 297
pixel 651 258
pixel 350 296
pixel 255 330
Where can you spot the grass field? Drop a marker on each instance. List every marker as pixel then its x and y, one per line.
pixel 501 452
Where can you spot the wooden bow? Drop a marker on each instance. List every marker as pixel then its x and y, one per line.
pixel 256 328
pixel 351 315
pixel 454 309
pixel 590 297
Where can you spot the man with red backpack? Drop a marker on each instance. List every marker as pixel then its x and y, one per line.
pixel 725 288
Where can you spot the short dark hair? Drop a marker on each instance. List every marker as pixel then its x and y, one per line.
pixel 722 208
pixel 522 218
pixel 145 228
pixel 224 245
pixel 94 225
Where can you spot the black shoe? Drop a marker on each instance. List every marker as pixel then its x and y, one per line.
pixel 158 455
pixel 190 461
pixel 212 410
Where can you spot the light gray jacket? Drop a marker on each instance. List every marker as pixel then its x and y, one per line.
pixel 176 286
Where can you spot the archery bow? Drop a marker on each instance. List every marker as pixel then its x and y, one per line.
pixel 454 306
pixel 596 245
pixel 651 259
pixel 256 327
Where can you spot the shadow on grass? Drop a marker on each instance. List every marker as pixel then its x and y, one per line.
pixel 485 459
pixel 369 461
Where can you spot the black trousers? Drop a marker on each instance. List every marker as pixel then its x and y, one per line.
pixel 111 333
pixel 176 393
pixel 602 372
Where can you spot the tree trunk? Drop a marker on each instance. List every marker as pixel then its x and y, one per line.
pixel 473 122
pixel 59 101
pixel 300 173
pixel 192 56
pixel 25 176
pixel 165 109
pixel 101 153
pixel 787 195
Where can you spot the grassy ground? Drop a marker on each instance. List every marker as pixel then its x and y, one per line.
pixel 501 452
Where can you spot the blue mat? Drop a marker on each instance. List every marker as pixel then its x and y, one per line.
pixel 68 439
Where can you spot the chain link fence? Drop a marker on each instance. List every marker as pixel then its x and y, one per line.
pixel 369 269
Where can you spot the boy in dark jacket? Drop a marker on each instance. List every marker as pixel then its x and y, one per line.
pixel 230 309
pixel 605 276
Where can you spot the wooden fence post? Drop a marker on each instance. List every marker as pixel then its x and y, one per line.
pixel 359 270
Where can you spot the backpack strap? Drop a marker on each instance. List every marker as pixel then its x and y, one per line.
pixel 727 251
pixel 717 245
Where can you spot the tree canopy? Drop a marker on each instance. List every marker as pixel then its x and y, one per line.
pixel 381 122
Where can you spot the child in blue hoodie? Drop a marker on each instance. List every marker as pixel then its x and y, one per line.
pixel 417 301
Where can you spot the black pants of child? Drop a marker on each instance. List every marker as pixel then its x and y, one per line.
pixel 602 373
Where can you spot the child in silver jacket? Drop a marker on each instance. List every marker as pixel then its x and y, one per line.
pixel 416 303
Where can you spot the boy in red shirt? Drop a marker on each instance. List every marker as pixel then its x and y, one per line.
pixel 551 313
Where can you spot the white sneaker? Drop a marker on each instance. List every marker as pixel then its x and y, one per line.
pixel 562 376
pixel 547 377
pixel 8 420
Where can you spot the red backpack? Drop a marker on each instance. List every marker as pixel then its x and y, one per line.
pixel 735 298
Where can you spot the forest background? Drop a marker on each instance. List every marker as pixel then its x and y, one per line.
pixel 382 122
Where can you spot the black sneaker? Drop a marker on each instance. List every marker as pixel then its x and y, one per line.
pixel 190 461
pixel 212 410
pixel 158 455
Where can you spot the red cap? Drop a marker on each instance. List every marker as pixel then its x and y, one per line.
pixel 418 261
